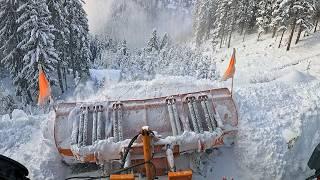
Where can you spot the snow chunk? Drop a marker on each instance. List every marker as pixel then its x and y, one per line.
pixel 5 117
pixel 296 77
pixel 18 114
pixel 289 135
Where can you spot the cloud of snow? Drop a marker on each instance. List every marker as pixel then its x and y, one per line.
pixel 99 12
pixel 135 23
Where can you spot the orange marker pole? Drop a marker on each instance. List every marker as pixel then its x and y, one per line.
pixel 147 151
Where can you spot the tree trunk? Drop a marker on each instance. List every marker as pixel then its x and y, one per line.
pixel 223 28
pixel 30 100
pixel 241 28
pixel 316 25
pixel 281 38
pixel 259 36
pixel 291 34
pixel 73 66
pixel 222 37
pixel 65 77
pixel 72 53
pixel 229 42
pixel 244 35
pixel 299 34
pixel 232 26
pixel 274 32
pixel 60 77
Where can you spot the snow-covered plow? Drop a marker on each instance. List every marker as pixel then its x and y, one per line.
pixel 100 132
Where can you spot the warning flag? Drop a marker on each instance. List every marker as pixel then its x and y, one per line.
pixel 44 88
pixel 231 68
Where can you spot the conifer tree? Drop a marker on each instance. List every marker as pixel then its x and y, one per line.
pixel 153 43
pixel 78 49
pixel 12 56
pixel 316 15
pixel 37 43
pixel 264 19
pixel 61 32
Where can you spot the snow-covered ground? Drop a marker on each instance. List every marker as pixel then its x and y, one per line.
pixel 276 93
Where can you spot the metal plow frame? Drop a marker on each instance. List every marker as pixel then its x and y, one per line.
pixel 99 132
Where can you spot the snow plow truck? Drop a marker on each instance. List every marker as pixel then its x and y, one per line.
pixel 146 137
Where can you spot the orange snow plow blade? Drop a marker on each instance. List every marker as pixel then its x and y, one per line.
pixel 99 132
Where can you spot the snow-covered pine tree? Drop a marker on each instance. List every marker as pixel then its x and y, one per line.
pixel 37 42
pixel 306 12
pixel 124 48
pixel 153 43
pixel 264 19
pixel 276 18
pixel 243 15
pixel 12 56
pixel 195 25
pixel 122 56
pixel 223 18
pixel 165 41
pixel 204 15
pixel 316 15
pixel 78 49
pixel 253 14
pixel 205 21
pixel 213 74
pixel 59 21
pixel 233 19
pixel 296 11
pixel 97 45
pixel 280 19
pixel 246 12
pixel 202 70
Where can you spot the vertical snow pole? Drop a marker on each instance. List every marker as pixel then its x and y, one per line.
pixel 184 116
pixel 120 120
pixel 85 126
pixel 99 122
pixel 115 123
pixel 176 116
pixel 146 138
pixel 212 117
pixel 192 114
pixel 94 124
pixel 107 126
pixel 75 132
pixel 206 113
pixel 80 134
pixel 215 114
pixel 171 117
pixel 196 112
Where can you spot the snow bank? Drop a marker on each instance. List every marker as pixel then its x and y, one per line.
pixel 18 115
pixel 29 140
pixel 296 77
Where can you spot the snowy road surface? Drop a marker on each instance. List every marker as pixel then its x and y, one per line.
pixel 278 98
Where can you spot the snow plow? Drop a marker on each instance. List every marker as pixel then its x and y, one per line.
pixel 146 136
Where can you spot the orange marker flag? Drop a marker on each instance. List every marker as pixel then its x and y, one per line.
pixel 231 68
pixel 44 88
